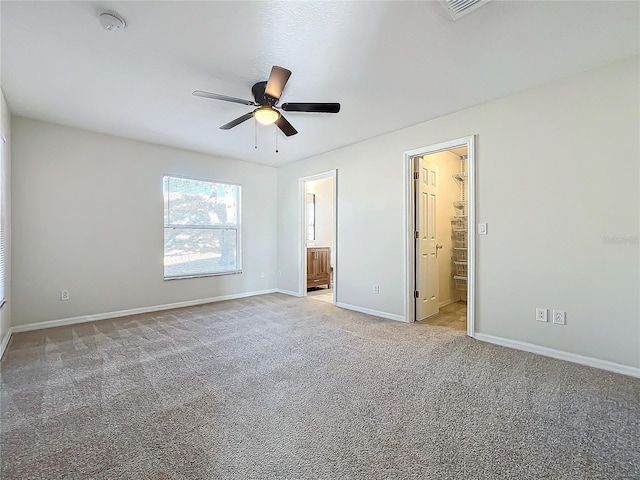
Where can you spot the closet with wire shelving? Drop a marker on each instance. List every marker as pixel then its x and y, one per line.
pixel 459 231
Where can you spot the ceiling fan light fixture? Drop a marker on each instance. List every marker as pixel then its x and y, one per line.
pixel 266 115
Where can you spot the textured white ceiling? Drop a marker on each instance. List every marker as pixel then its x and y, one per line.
pixel 390 64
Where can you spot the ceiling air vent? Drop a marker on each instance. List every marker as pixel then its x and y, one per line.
pixel 459 8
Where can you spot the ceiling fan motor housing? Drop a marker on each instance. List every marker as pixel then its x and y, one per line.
pixel 260 97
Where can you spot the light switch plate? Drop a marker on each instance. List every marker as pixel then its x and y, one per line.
pixel 482 229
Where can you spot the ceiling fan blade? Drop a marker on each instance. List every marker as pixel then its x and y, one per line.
pixel 311 107
pixel 237 121
pixel 277 80
pixel 285 126
pixel 215 96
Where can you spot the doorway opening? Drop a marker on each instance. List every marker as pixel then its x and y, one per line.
pixel 318 240
pixel 440 216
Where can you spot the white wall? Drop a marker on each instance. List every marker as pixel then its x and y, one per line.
pixel 558 171
pixel 88 217
pixel 5 128
pixel 323 190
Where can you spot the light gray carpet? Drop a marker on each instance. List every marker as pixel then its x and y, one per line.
pixel 275 387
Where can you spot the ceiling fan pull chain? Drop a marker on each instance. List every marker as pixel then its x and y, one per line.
pixel 255 134
pixel 276 130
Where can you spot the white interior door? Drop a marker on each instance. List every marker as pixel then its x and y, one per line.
pixel 427 302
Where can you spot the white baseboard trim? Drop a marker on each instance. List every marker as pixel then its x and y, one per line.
pixel 368 311
pixel 288 292
pixel 5 342
pixel 560 355
pixel 133 311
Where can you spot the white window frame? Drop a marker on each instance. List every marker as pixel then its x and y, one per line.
pixel 237 227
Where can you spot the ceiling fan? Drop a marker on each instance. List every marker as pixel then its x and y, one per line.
pixel 266 96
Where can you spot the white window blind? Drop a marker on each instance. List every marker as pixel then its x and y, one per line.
pixel 201 228
pixel 2 218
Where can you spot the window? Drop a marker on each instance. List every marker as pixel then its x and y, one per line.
pixel 201 228
pixel 3 219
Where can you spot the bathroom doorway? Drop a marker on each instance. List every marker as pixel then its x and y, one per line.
pixel 318 266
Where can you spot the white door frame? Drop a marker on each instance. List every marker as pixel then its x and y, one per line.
pixel 409 222
pixel 302 227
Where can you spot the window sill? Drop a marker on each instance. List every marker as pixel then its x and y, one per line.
pixel 234 272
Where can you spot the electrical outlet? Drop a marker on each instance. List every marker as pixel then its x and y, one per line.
pixel 262 275
pixel 64 295
pixel 541 314
pixel 559 317
pixel 376 289
pixel 279 273
pixel 482 229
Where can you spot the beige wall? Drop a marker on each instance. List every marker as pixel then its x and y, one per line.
pixel 5 128
pixel 552 186
pixel 88 217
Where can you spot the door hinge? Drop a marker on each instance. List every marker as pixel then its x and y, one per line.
pixel 416 235
pixel 416 294
pixel 416 175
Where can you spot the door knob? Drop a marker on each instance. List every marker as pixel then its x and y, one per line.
pixel 438 246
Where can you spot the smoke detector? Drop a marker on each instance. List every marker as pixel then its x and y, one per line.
pixel 459 8
pixel 111 21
